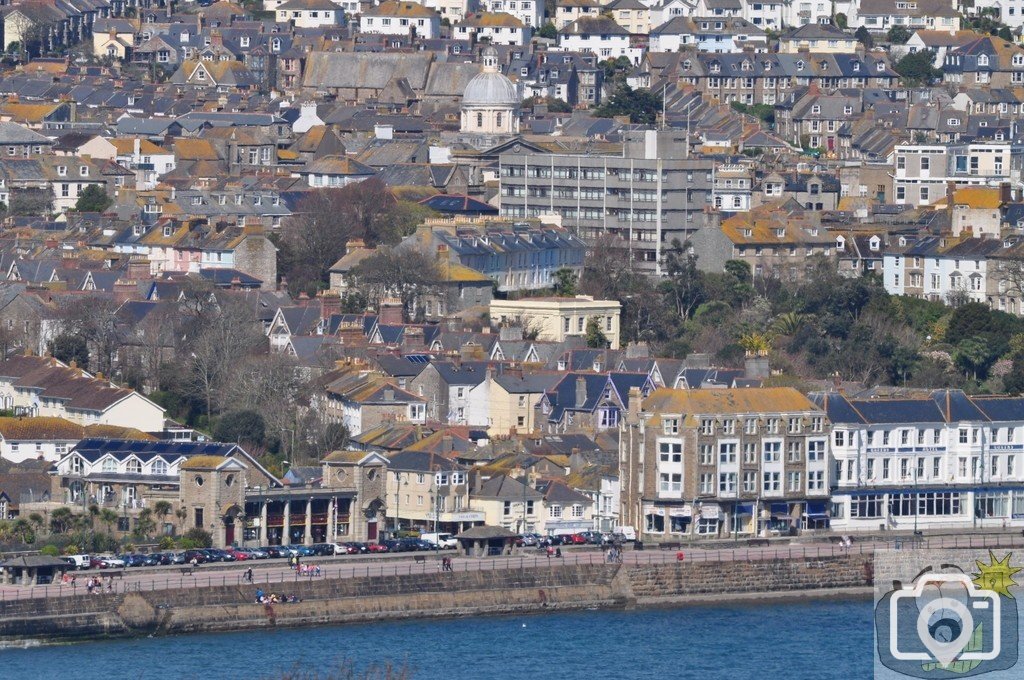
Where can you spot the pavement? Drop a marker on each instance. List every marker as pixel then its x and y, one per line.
pixel 269 572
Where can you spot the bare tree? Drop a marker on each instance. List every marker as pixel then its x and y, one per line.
pixel 215 353
pixel 93 317
pixel 404 272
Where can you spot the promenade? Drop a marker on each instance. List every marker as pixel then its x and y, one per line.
pixel 267 573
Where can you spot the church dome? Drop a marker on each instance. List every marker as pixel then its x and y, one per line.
pixel 490 88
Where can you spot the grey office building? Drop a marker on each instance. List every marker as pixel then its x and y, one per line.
pixel 648 195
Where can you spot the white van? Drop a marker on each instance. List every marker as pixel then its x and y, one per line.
pixel 627 533
pixel 78 561
pixel 442 541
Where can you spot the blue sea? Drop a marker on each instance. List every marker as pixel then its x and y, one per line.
pixel 816 640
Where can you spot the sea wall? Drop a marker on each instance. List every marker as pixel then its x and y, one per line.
pixel 462 593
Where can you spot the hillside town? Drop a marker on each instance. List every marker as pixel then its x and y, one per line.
pixel 327 271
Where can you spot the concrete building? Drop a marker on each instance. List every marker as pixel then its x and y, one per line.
pixel 557 319
pixel 924 172
pixel 718 462
pixel 645 197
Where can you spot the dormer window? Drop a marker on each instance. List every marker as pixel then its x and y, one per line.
pixel 824 65
pixel 840 243
pixel 275 44
pixel 168 231
pixel 856 67
pixel 83 170
pixel 244 41
pixel 953 121
pixel 847 110
pixel 767 65
pixel 982 60
pixel 715 67
pixel 800 66
pixel 780 232
pixel 880 66
pixel 687 64
pixel 62 170
pixel 745 66
pixel 815 109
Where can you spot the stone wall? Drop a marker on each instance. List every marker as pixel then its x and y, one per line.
pixel 462 593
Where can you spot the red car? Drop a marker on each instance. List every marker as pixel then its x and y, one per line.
pixel 239 555
pixel 377 547
pixel 576 539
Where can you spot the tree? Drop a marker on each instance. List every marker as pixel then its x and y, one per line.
pixel 325 220
pixel 241 426
pixel 108 517
pixel 898 35
pixel 916 67
pixel 684 285
pixel 67 348
pixel 22 530
pixel 404 272
pixel 93 199
pixel 864 37
pixel 61 520
pixel 144 524
pixel 841 21
pixel 548 31
pixel 199 537
pixel 595 336
pixel 641 105
pixel 565 282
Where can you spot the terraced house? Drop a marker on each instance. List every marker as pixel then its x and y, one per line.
pixel 940 460
pixel 748 461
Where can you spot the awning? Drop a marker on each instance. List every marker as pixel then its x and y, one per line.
pixel 744 509
pixel 780 508
pixel 815 508
pixel 817 517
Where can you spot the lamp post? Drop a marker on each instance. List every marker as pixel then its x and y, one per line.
pixel 291 450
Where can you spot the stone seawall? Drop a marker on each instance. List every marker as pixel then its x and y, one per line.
pixel 350 600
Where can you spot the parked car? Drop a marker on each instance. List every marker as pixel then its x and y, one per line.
pixel 258 553
pixel 197 556
pixel 275 551
pixel 376 548
pixel 79 561
pixel 594 537
pixel 356 548
pixel 531 539
pixel 323 549
pixel 177 558
pixel 301 550
pixel 239 554
pixel 151 560
pixel 575 539
pixel 107 562
pixel 441 540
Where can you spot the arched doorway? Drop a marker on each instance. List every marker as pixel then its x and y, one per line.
pixel 230 518
pixel 374 510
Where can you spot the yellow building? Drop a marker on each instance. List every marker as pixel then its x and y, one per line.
pixel 558 318
pixel 511 400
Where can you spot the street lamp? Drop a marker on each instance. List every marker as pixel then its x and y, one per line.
pixel 291 451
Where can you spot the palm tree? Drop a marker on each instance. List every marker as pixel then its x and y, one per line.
pixel 108 517
pixel 38 521
pixel 22 530
pixel 60 520
pixel 144 525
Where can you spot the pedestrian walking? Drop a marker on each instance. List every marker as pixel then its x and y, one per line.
pixel 248 575
pixel 550 551
pixel 110 584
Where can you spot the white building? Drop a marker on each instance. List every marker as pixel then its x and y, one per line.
pixel 945 461
pixel 601 36
pixel 497 29
pixel 530 12
pixel 149 161
pixel 401 18
pixel 490 103
pixel 309 13
pixel 923 172
pixel 1009 12
pixel 452 10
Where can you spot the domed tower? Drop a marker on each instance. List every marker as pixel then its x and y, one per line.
pixel 490 105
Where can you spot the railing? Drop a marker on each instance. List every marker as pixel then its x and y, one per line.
pixel 268 574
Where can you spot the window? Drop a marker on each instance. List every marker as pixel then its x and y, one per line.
pixel 159 467
pixel 707 481
pixel 133 467
pixel 555 511
pixel 727 453
pixel 794 451
pixel 705 456
pixel 670 452
pixel 772 452
pixel 868 506
pixel 794 481
pixel 670 425
pixel 707 426
pixel 794 425
pixel 772 482
pixel 750 426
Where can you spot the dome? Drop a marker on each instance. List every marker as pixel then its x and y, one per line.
pixel 490 88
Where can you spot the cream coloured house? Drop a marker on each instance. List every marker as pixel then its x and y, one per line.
pixel 43 386
pixel 559 318
pixel 512 398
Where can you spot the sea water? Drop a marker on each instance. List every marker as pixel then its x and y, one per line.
pixel 812 640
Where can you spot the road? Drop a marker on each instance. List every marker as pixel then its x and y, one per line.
pixel 267 573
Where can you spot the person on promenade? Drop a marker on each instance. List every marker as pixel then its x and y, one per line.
pixel 259 595
pixel 248 575
pixel 558 552
pixel 110 584
pixel 550 551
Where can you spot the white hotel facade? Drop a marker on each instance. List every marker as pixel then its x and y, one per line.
pixel 944 460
